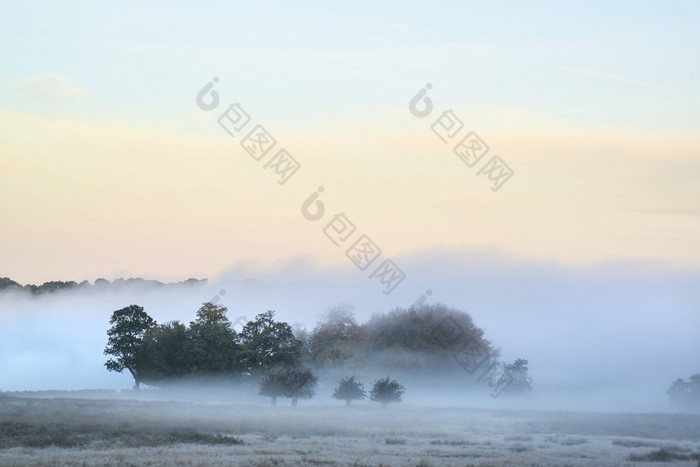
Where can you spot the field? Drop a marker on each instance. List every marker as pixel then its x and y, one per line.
pixel 120 431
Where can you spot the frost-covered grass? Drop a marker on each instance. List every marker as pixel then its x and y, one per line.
pixel 72 431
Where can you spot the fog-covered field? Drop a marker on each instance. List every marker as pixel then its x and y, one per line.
pixel 74 428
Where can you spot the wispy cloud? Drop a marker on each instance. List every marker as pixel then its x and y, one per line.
pixel 49 89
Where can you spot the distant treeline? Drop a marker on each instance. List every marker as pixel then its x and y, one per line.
pixel 7 284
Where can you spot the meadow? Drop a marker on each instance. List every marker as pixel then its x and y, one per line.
pixel 111 429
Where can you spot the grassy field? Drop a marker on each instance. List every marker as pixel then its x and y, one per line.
pixel 121 431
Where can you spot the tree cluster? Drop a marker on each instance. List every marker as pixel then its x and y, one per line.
pixel 403 339
pixel 207 348
pixel 281 361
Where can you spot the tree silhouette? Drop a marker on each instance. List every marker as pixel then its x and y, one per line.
pixel 125 341
pixel 348 390
pixel 515 379
pixel 386 390
pixel 292 383
pixel 685 394
pixel 268 344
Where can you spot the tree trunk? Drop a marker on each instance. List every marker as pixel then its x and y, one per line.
pixel 273 401
pixel 294 402
pixel 137 380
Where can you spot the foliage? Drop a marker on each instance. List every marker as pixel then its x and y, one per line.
pixel 337 341
pixel 515 378
pixel 407 338
pixel 293 383
pixel 213 344
pixel 125 340
pixel 268 344
pixel 386 390
pixel 684 394
pixel 209 348
pixel 165 353
pixel 348 390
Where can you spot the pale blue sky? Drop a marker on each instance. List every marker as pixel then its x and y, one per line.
pixel 589 63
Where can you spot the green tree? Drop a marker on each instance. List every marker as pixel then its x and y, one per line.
pixel 386 390
pixel 165 353
pixel 213 344
pixel 125 341
pixel 348 390
pixel 299 384
pixel 268 344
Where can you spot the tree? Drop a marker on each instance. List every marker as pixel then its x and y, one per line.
pixel 267 344
pixel 165 353
pixel 515 378
pixel 684 394
pixel 299 384
pixel 293 383
pixel 272 386
pixel 386 390
pixel 213 344
pixel 348 390
pixel 125 341
pixel 423 338
pixel 337 341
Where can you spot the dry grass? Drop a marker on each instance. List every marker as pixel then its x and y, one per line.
pixel 53 431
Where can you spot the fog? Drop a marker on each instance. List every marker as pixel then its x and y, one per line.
pixel 609 337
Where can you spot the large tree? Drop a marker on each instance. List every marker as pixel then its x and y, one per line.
pixel 424 338
pixel 348 390
pixel 268 344
pixel 165 353
pixel 213 344
pixel 125 341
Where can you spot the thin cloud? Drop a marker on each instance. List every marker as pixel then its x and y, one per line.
pixel 50 89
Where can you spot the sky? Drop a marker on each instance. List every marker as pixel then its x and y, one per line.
pixel 109 168
pixel 114 161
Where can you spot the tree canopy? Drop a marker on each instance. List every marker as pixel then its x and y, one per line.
pixel 125 341
pixel 386 390
pixel 349 390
